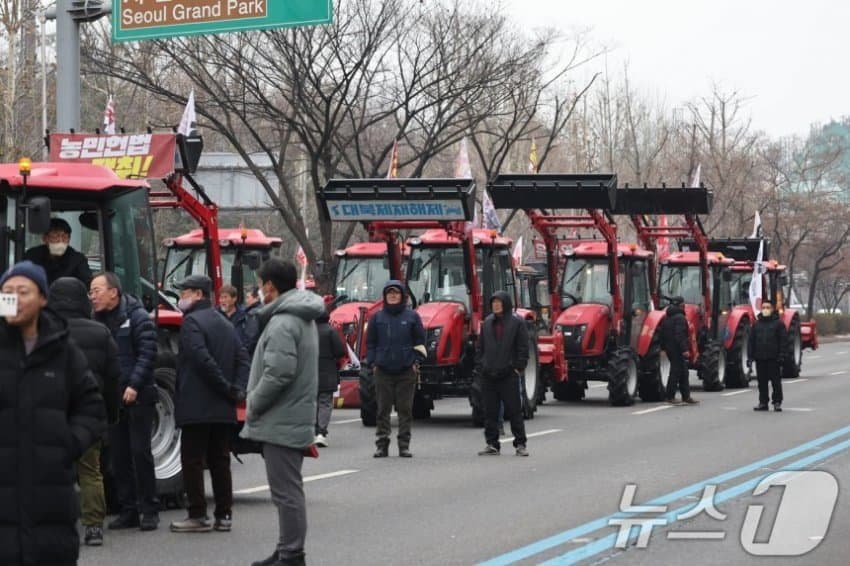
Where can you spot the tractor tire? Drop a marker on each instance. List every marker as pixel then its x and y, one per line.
pixel 531 381
pixel 654 372
pixel 165 440
pixel 622 372
pixel 569 390
pixel 422 406
pixel 368 399
pixel 476 401
pixel 794 355
pixel 712 366
pixel 737 375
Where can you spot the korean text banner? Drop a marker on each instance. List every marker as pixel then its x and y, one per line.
pixel 134 156
pixel 369 210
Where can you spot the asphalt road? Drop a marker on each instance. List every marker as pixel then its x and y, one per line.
pixel 449 506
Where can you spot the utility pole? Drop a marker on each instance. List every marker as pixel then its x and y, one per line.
pixel 69 14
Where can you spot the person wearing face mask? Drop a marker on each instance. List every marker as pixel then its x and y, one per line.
pixel 767 346
pixel 212 375
pixel 674 341
pixel 57 257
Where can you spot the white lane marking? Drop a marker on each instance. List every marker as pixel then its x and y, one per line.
pixel 597 385
pixel 800 380
pixel 798 409
pixel 346 421
pixel 843 352
pixel 842 372
pixel 815 357
pixel 730 393
pixel 653 410
pixel 261 488
pixel 532 435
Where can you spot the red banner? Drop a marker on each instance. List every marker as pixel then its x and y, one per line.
pixel 136 156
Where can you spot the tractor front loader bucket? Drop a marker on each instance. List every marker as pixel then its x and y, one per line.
pixel 664 200
pixel 739 249
pixel 550 191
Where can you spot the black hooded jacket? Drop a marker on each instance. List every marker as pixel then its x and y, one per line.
pixel 51 412
pixel 69 298
pixel 393 334
pixel 331 349
pixel 70 264
pixel 502 351
pixel 768 339
pixel 674 331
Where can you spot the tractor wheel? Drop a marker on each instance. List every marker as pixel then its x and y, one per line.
pixel 531 380
pixel 165 440
pixel 422 406
pixel 622 377
pixel 476 401
pixel 654 371
pixel 569 390
pixel 794 354
pixel 712 366
pixel 737 356
pixel 368 400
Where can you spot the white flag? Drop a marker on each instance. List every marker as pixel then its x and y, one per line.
pixel 188 121
pixel 696 180
pixel 353 360
pixel 517 253
pixel 109 118
pixel 491 219
pixel 755 283
pixel 756 226
pixel 463 169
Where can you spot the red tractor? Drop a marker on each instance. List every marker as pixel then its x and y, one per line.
pixel 452 271
pixel 703 283
pixel 605 328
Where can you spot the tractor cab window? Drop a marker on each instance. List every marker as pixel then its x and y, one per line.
pixel 132 241
pixel 437 274
pixel 740 287
pixel 724 290
pixel 680 280
pixel 586 280
pixel 495 273
pixel 639 285
pixel 362 278
pixel 180 262
pixel 86 236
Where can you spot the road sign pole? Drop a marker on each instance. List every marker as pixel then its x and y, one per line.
pixel 67 68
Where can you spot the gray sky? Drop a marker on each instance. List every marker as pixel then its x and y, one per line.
pixel 788 58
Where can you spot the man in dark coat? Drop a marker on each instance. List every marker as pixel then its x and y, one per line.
pixel 57 257
pixel 130 440
pixel 69 298
pixel 674 341
pixel 246 325
pixel 767 346
pixel 395 346
pixel 331 349
pixel 212 375
pixel 53 414
pixel 502 355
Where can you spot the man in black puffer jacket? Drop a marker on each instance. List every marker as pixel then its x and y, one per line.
pixel 212 375
pixel 674 341
pixel 331 349
pixel 502 355
pixel 53 413
pixel 130 440
pixel 69 298
pixel 767 346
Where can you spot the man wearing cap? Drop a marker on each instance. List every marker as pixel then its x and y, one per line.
pixel 53 412
pixel 674 341
pixel 57 257
pixel 395 346
pixel 212 374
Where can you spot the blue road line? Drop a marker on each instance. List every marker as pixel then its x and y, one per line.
pixel 607 543
pixel 568 535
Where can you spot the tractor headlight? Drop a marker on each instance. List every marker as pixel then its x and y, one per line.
pixel 432 340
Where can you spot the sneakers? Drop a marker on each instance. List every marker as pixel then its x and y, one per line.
pixel 124 521
pixel 192 525
pixel 94 536
pixel 381 452
pixel 777 407
pixel 521 451
pixel 405 453
pixel 223 524
pixel 760 407
pixel 490 450
pixel 321 441
pixel 149 522
pixel 690 401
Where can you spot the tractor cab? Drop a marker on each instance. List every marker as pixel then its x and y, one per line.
pixel 533 294
pixel 361 272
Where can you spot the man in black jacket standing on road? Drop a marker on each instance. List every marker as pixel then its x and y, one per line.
pixel 501 360
pixel 69 298
pixel 767 346
pixel 674 341
pixel 212 375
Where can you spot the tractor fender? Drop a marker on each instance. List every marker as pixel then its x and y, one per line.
pixel 809 334
pixel 735 318
pixel 526 314
pixel 650 327
pixel 550 352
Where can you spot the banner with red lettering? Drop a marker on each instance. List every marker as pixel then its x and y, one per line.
pixel 134 156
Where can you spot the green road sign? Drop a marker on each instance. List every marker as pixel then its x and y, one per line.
pixel 153 19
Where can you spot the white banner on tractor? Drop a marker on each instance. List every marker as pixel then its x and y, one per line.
pixel 755 283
